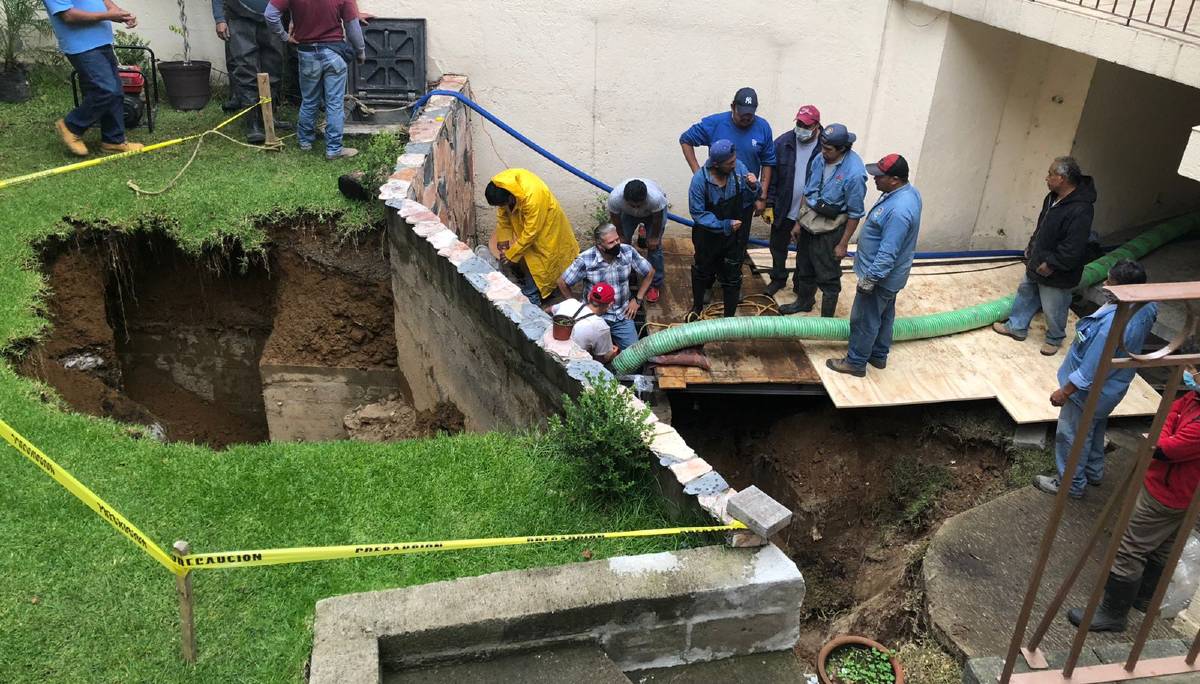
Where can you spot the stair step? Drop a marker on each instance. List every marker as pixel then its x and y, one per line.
pixel 547 666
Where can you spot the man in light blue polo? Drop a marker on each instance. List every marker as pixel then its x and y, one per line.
pixel 1077 376
pixel 882 262
pixel 85 35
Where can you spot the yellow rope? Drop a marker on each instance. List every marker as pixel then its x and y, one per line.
pixel 758 304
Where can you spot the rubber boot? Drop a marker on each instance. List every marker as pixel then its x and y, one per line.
pixel 255 133
pixel 1150 577
pixel 828 305
pixel 733 297
pixel 700 291
pixel 1119 594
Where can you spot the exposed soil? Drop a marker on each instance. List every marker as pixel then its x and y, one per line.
pixel 394 419
pixel 868 488
pixel 144 332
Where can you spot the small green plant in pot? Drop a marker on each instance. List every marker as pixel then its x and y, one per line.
pixel 608 435
pixel 188 82
pixel 858 660
pixel 21 20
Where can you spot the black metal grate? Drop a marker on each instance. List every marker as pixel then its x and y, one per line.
pixel 1170 15
pixel 395 64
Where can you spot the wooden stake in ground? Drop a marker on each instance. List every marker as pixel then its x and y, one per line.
pixel 183 588
pixel 268 111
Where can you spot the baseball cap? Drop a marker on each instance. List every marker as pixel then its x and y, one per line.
pixel 808 115
pixel 891 165
pixel 720 151
pixel 745 101
pixel 602 293
pixel 837 136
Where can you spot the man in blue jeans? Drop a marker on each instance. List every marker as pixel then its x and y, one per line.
pixel 882 262
pixel 317 31
pixel 1077 377
pixel 85 35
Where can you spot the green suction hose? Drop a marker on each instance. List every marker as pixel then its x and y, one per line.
pixel 910 328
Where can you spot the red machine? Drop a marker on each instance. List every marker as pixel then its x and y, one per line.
pixel 132 79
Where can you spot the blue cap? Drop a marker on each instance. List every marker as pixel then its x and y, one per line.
pixel 720 151
pixel 837 136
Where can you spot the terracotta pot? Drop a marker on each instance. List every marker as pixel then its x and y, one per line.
pixel 562 327
pixel 850 640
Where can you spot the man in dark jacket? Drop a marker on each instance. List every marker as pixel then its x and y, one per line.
pixel 1167 489
pixel 251 49
pixel 1055 256
pixel 794 152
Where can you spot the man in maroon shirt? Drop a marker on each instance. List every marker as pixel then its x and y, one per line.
pixel 317 31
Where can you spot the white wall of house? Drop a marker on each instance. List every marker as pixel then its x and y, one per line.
pixel 978 111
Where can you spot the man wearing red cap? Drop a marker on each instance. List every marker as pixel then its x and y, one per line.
pixel 882 262
pixel 591 332
pixel 794 152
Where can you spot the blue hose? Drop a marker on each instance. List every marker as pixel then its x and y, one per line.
pixel 583 175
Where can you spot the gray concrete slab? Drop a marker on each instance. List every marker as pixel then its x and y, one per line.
pixel 759 512
pixel 760 668
pixel 979 563
pixel 583 663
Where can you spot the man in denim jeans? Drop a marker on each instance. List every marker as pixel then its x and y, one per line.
pixel 85 35
pixel 1055 256
pixel 317 31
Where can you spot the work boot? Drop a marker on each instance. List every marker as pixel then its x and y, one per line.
pixel 1050 485
pixel 344 153
pixel 1048 349
pixel 73 142
pixel 1114 607
pixel 828 305
pixel 1003 329
pixel 796 307
pixel 700 286
pixel 255 133
pixel 1150 577
pixel 775 286
pixel 844 366
pixel 877 363
pixel 121 147
pixel 732 295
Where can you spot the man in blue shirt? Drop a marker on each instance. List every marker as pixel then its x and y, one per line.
pixel 85 35
pixel 1077 376
pixel 719 199
pixel 751 137
pixel 882 262
pixel 832 207
pixel 250 49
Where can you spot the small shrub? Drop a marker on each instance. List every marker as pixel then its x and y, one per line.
pixel 600 210
pixel 139 58
pixel 914 488
pixel 861 665
pixel 605 433
pixel 379 157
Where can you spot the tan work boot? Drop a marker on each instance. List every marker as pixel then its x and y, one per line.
pixel 1048 349
pixel 344 153
pixel 73 142
pixel 121 147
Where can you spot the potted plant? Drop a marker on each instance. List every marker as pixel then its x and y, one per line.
pixel 187 82
pixel 20 20
pixel 857 660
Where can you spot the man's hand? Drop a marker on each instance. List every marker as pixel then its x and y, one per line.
pixel 292 39
pixel 364 18
pixel 631 309
pixel 222 30
pixel 751 179
pixel 362 58
pixel 840 250
pixel 760 205
pixel 1058 397
pixel 1044 270
pixel 768 215
pixel 735 225
pixel 866 286
pixel 796 232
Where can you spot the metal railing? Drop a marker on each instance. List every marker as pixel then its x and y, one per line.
pixel 1129 299
pixel 1169 15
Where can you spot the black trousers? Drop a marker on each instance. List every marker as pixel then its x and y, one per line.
pixel 781 239
pixel 817 266
pixel 252 49
pixel 719 257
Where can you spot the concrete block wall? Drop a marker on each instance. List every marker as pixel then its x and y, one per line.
pixel 654 610
pixel 465 334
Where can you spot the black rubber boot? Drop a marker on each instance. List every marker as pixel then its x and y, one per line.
pixel 255 133
pixel 733 296
pixel 828 305
pixel 1150 577
pixel 775 286
pixel 1119 594
pixel 700 288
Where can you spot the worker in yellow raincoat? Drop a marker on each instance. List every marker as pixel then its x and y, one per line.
pixel 532 231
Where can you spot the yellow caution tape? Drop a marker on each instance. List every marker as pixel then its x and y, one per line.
pixel 81 492
pixel 245 559
pixel 121 155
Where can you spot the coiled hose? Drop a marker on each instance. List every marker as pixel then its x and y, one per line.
pixel 909 328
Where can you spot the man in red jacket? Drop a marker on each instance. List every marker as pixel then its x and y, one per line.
pixel 1167 490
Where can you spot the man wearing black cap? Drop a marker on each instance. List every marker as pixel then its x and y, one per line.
pixel 751 137
pixel 882 261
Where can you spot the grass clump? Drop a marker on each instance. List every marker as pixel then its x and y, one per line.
pixel 602 431
pixel 1026 462
pixel 914 488
pixel 925 662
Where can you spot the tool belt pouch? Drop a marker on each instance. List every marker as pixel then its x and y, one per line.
pixel 817 224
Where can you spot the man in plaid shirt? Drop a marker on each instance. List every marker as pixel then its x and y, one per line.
pixel 612 262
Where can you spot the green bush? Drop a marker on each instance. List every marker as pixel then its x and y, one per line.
pixel 608 435
pixel 139 58
pixel 862 665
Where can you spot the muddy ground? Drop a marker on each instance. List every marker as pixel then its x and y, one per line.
pixel 868 488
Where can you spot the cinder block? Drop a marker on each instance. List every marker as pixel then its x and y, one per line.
pixel 641 645
pixel 759 512
pixel 744 634
pixel 1033 435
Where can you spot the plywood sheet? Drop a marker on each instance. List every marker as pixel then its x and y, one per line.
pixel 974 365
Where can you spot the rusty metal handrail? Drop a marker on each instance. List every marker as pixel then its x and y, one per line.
pixel 1129 299
pixel 1130 12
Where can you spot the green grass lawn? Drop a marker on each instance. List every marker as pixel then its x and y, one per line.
pixel 80 603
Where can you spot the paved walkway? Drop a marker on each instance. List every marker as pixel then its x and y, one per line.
pixel 979 563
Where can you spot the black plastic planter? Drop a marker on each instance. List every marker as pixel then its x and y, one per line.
pixel 187 84
pixel 14 84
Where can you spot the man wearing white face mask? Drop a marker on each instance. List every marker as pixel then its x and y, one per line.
pixel 794 151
